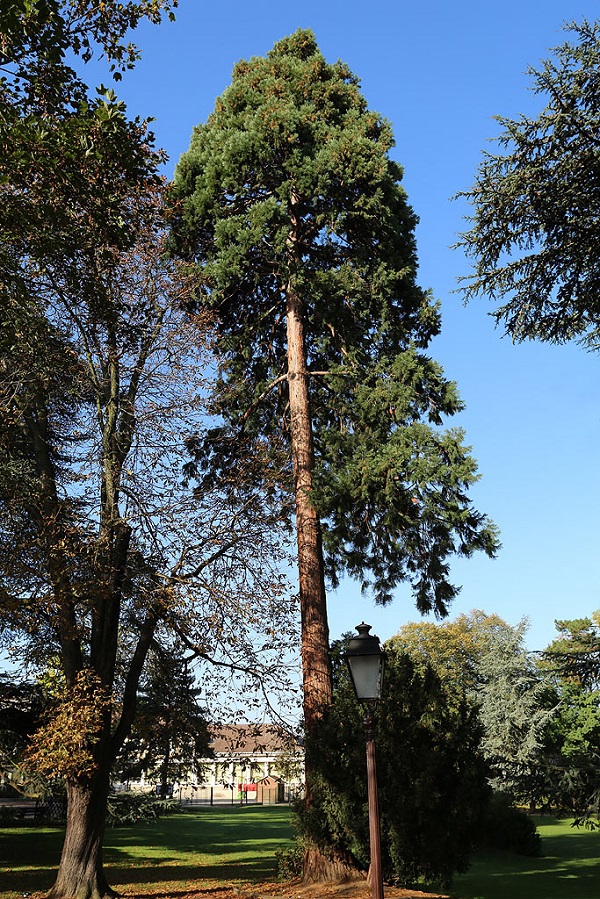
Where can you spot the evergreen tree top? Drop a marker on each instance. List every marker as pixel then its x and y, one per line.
pixel 288 197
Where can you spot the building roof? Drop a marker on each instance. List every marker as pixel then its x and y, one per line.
pixel 252 739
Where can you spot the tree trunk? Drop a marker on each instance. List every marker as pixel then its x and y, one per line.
pixel 316 663
pixel 81 872
pixel 316 667
pixel 165 765
pixel 320 868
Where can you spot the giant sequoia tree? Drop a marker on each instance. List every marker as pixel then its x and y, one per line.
pixel 291 207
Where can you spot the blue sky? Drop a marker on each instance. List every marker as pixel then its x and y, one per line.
pixel 439 72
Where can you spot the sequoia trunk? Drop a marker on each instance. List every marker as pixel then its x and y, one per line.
pixel 81 872
pixel 316 670
pixel 316 665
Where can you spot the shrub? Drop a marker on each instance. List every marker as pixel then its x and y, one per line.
pixel 432 778
pixel 510 828
pixel 130 808
pixel 289 861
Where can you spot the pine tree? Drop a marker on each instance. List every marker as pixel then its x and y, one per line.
pixel 170 735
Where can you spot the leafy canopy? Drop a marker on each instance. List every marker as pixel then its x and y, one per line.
pixel 571 663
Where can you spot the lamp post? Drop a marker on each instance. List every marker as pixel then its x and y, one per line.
pixel 365 659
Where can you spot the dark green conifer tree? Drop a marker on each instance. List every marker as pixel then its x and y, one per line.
pixel 289 203
pixel 535 227
pixel 433 791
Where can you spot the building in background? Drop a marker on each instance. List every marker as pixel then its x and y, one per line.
pixel 260 763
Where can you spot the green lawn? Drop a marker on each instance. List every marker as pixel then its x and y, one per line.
pixel 178 852
pixel 568 869
pixel 189 850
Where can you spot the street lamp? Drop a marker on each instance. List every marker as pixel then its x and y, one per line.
pixel 366 659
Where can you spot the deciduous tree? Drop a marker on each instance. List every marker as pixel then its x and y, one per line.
pixel 453 648
pixel 104 547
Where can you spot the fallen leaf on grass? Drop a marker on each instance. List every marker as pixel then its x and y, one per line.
pixel 293 889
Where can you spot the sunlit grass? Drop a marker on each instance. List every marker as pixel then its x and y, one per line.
pixel 569 868
pixel 180 852
pixel 230 845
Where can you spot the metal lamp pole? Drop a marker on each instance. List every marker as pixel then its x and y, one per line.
pixel 365 659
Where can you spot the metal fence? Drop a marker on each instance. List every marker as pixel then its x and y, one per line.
pixel 242 795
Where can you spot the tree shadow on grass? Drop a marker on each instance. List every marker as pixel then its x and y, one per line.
pixel 252 870
pixel 184 878
pixel 498 876
pixel 148 854
pixel 27 880
pixel 212 831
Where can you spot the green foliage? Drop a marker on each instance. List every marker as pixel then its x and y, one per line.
pixel 571 663
pixel 540 713
pixel 535 228
pixel 483 661
pixel 510 828
pixel 432 784
pixel 287 199
pixel 125 809
pixel 69 156
pixel 170 735
pixel 48 29
pixel 289 861
pixel 453 648
pixel 575 654
pixel 516 706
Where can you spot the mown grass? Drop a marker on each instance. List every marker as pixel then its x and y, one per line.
pixel 569 868
pixel 180 852
pixel 177 854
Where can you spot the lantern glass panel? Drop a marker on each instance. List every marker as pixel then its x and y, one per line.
pixel 366 671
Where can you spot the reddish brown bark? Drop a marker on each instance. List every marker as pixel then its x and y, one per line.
pixel 316 666
pixel 316 663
